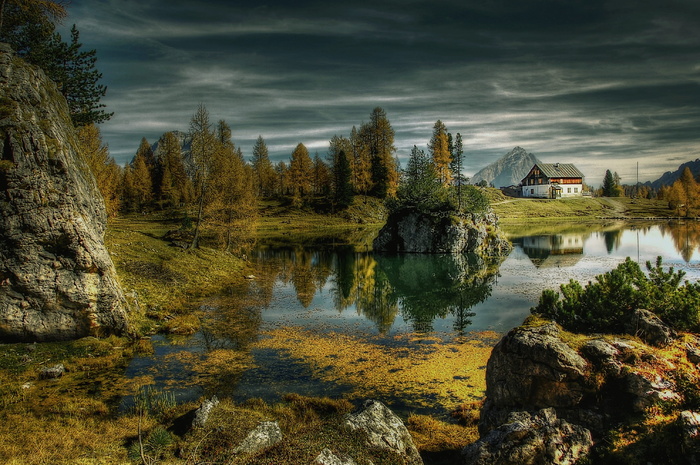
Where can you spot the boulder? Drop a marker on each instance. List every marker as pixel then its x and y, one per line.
pixel 530 438
pixel 690 427
pixel 415 232
pixel 201 415
pixel 266 434
pixel 532 368
pixel 650 328
pixel 57 280
pixel 383 430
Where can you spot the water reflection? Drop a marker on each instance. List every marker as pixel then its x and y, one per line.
pixel 418 288
pixel 557 250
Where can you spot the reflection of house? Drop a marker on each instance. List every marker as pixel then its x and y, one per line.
pixel 552 181
pixel 561 250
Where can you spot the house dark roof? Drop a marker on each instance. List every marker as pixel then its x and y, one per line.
pixel 559 170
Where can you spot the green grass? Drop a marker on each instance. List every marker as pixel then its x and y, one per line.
pixel 282 225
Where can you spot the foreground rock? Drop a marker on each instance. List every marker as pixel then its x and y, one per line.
pixel 384 430
pixel 546 397
pixel 414 232
pixel 539 438
pixel 57 280
pixel 266 434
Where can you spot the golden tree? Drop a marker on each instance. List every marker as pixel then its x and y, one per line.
pixel 106 171
pixel 300 172
pixel 440 153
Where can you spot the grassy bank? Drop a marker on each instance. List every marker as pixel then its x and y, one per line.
pixel 589 209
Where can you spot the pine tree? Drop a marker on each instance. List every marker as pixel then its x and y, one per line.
pixel 342 187
pixel 456 166
pixel 142 185
pixel 608 184
pixel 262 168
pixel 378 137
pixel 361 164
pixel 321 176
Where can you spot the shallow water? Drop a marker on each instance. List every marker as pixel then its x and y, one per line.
pixel 414 330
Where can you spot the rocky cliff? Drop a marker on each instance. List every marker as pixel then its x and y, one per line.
pixel 415 232
pixel 57 280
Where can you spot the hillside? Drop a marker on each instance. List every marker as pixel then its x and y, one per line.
pixel 508 170
pixel 669 177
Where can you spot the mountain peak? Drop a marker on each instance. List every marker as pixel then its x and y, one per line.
pixel 508 170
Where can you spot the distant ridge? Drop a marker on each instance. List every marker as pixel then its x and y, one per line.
pixel 668 178
pixel 508 170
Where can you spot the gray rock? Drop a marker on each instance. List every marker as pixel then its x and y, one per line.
pixel 693 353
pixel 53 372
pixel 201 415
pixel 57 281
pixel 532 368
pixel 690 425
pixel 527 438
pixel 603 355
pixel 266 434
pixel 650 328
pixel 383 430
pixel 648 392
pixel 414 232
pixel 326 457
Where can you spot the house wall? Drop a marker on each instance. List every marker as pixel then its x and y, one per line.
pixel 542 191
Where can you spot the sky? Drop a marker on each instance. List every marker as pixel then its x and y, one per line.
pixel 601 84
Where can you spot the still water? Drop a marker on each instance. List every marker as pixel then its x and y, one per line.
pixel 414 331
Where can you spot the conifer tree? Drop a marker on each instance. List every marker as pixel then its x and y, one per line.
pixel 342 187
pixel 361 164
pixel 106 171
pixel 378 137
pixel 321 176
pixel 456 166
pixel 262 168
pixel 203 151
pixel 175 187
pixel 300 172
pixel 142 185
pixel 440 153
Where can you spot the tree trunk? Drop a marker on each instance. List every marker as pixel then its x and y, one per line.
pixel 200 212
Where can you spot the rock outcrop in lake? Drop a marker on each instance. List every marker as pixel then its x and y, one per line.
pixel 551 395
pixel 57 280
pixel 409 231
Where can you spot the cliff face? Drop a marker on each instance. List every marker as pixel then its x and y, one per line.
pixel 414 232
pixel 57 280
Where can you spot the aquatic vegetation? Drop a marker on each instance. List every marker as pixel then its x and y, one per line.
pixel 423 371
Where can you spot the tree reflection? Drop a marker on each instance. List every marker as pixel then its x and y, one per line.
pixel 685 236
pixel 420 288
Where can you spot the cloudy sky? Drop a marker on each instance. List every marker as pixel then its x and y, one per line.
pixel 602 84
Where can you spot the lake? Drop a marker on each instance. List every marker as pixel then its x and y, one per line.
pixel 414 331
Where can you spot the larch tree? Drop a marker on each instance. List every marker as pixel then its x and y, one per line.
pixel 203 151
pixel 106 171
pixel 232 204
pixel 281 179
pixel 440 153
pixel 321 176
pixel 175 187
pixel 361 164
pixel 141 181
pixel 145 151
pixel 300 173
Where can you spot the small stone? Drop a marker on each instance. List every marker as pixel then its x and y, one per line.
pixel 266 434
pixel 201 415
pixel 53 372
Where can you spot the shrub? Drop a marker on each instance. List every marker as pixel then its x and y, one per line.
pixel 606 304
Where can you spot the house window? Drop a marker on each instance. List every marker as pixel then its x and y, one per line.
pixel 575 190
pixel 568 190
pixel 532 191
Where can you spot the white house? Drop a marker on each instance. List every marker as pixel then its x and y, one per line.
pixel 552 181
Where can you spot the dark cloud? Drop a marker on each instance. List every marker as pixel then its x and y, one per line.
pixel 603 84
